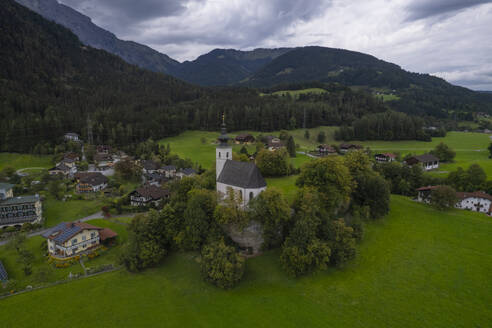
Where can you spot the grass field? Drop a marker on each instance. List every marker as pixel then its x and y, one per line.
pixel 470 147
pixel 55 211
pixel 19 161
pixel 415 268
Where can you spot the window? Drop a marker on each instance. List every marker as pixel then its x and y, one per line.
pixel 93 234
pixel 227 155
pixel 251 195
pixel 83 237
pixel 74 241
pixel 219 154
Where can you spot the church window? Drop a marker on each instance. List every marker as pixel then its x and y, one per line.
pixel 219 154
pixel 227 155
pixel 251 195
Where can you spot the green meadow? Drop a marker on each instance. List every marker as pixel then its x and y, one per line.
pixel 415 268
pixel 20 161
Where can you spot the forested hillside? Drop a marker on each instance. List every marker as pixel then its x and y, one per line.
pixel 51 83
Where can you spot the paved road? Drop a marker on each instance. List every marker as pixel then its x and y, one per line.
pixel 98 215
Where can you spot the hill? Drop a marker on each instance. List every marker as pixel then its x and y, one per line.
pixel 226 66
pixel 96 37
pixel 417 267
pixel 420 94
pixel 50 82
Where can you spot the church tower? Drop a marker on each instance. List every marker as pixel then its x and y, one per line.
pixel 223 152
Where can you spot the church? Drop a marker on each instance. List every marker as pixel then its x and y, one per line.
pixel 243 177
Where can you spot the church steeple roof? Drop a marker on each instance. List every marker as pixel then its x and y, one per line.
pixel 223 138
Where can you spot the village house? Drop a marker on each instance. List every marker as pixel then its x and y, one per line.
pixel 187 172
pixel 243 177
pixel 103 149
pixel 349 147
pixel 424 193
pixel 62 169
pixel 155 179
pixel 68 239
pixel 427 161
pixel 324 150
pixel 244 139
pixel 4 277
pixel 169 171
pixel 71 136
pixel 90 182
pixel 148 195
pixel 385 158
pixel 103 161
pixel 273 143
pixel 149 166
pixel 15 211
pixel 474 201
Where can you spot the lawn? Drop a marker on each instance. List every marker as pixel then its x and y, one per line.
pixel 286 184
pixel 56 211
pixel 20 161
pixel 415 268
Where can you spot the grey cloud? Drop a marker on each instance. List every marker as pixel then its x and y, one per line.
pixel 421 9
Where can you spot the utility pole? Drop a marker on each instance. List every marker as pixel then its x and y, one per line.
pixel 90 138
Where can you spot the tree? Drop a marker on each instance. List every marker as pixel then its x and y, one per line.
pixel 331 178
pixel 357 162
pixel 128 170
pixel 321 136
pixel 231 210
pixel 273 163
pixel 221 265
pixel 443 197
pixel 302 252
pixel 291 146
pixel 307 135
pixel 476 176
pixel 443 152
pixel 373 191
pixel 147 243
pixel 273 212
pixel 55 189
pixel 490 150
pixel 341 240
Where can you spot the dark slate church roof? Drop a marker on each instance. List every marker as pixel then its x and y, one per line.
pixel 241 174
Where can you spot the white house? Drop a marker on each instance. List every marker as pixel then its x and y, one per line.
pixel 427 161
pixel 70 136
pixel 474 201
pixel 243 177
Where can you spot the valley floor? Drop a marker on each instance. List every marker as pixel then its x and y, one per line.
pixel 417 267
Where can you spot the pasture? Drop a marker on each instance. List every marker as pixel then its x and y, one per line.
pixel 415 268
pixel 20 161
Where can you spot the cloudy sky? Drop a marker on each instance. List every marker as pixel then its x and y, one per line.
pixel 448 38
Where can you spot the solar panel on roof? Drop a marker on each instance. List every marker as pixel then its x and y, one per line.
pixel 64 235
pixel 3 273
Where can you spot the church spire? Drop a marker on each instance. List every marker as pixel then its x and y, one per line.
pixel 224 138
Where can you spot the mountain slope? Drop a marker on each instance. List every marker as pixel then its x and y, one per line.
pixel 226 66
pixel 96 37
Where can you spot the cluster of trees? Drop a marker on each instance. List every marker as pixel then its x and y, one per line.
pixel 25 257
pixel 443 152
pixel 389 126
pixel 319 228
pixel 472 179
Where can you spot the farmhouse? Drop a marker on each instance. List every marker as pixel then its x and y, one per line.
pixel 103 149
pixel 149 166
pixel 156 179
pixel 71 238
pixel 62 169
pixel 385 158
pixel 15 211
pixel 147 195
pixel 348 147
pixel 424 193
pixel 187 172
pixel 324 150
pixel 169 171
pixel 103 161
pixel 474 201
pixel 244 138
pixel 427 161
pixel 71 136
pixel 242 177
pixel 90 182
pixel 273 143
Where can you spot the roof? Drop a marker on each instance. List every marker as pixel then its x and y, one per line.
pixel 72 134
pixel 66 230
pixel 327 148
pixel 156 176
pixel 169 168
pixel 241 174
pixel 61 167
pixel 428 188
pixel 92 178
pixel 476 194
pixel 19 200
pixel 244 136
pixel 102 157
pixel 71 155
pixel 348 146
pixel 153 192
pixel 390 155
pixel 106 233
pixel 3 273
pixel 426 158
pixel 150 165
pixel 188 171
pixel 6 186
